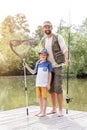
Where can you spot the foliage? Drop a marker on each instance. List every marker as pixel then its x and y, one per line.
pixel 79 52
pixel 39 32
pixel 12 28
pixel 16 27
pixel 77 45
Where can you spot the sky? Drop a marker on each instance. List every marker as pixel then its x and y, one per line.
pixel 37 11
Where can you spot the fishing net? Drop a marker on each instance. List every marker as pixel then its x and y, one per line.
pixel 22 48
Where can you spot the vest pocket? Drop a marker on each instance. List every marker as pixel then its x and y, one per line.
pixel 57 53
pixel 59 57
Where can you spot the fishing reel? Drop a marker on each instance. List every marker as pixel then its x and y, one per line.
pixel 68 99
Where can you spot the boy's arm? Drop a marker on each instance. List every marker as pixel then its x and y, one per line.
pixel 49 80
pixel 29 69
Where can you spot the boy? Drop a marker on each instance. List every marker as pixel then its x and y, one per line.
pixel 43 79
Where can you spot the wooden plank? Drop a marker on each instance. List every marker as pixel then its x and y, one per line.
pixel 18 120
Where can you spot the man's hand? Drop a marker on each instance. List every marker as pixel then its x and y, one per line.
pixel 48 87
pixel 68 62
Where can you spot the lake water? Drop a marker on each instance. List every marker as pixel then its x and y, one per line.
pixel 12 93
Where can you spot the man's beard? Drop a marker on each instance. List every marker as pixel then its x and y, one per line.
pixel 48 32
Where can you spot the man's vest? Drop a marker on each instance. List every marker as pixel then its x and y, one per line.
pixel 57 52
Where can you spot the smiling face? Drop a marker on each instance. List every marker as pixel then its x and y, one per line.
pixel 43 56
pixel 47 29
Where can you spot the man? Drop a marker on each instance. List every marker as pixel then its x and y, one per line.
pixel 56 87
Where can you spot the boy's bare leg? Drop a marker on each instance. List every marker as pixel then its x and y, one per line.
pixel 41 106
pixel 53 100
pixel 43 113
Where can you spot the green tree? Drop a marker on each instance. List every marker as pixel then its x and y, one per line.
pixel 13 27
pixel 39 33
pixel 77 46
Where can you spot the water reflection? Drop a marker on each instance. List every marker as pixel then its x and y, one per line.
pixel 12 94
pixel 78 92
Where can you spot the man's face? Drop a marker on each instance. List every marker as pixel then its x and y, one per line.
pixel 47 29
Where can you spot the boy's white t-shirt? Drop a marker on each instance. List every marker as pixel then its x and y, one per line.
pixel 42 71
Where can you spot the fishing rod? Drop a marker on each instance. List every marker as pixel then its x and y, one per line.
pixel 68 99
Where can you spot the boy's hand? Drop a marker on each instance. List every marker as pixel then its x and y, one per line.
pixel 48 87
pixel 25 64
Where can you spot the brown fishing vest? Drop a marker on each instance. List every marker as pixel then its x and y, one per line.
pixel 57 52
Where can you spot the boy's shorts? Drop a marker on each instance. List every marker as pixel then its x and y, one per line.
pixel 41 92
pixel 56 84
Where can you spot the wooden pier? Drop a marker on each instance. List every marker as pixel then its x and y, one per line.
pixel 17 119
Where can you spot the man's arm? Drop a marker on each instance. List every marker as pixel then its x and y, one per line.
pixel 67 59
pixel 62 43
pixel 64 49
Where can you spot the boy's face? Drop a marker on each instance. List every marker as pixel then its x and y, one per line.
pixel 43 56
